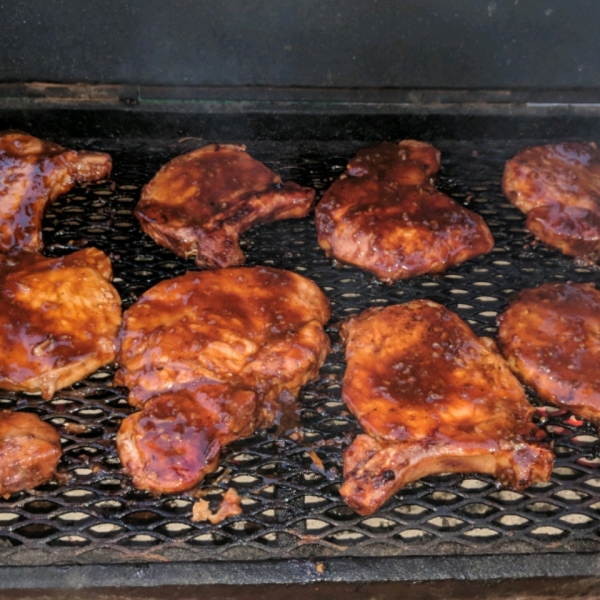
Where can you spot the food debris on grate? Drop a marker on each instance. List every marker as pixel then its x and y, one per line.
pixel 290 502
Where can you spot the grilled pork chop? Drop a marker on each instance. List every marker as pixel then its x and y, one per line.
pixel 432 398
pixel 558 187
pixel 199 204
pixel 550 336
pixel 29 451
pixel 383 215
pixel 254 333
pixel 177 437
pixel 59 319
pixel 33 174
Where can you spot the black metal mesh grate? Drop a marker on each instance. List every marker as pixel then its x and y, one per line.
pixel 91 514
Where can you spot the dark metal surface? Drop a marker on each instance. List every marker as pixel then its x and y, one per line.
pixel 529 589
pixel 340 43
pixel 439 528
pixel 234 121
pixel 436 569
pixel 250 100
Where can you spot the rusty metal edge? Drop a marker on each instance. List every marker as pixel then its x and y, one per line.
pixel 348 570
pixel 44 95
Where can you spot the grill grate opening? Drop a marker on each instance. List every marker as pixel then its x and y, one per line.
pixel 291 505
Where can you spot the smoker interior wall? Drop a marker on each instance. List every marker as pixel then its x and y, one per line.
pixel 547 44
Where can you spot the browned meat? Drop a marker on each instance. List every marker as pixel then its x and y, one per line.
pixel 558 187
pixel 258 331
pixel 59 319
pixel 177 437
pixel 34 173
pixel 550 336
pixel 230 507
pixel 199 204
pixel 432 398
pixel 259 326
pixel 383 215
pixel 29 451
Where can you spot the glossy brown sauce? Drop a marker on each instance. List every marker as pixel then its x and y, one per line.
pixel 407 163
pixel 433 398
pixel 55 314
pixel 238 342
pixel 29 451
pixel 559 171
pixel 199 203
pixel 572 229
pixel 234 323
pixel 255 334
pixel 385 216
pixel 558 186
pixel 202 184
pixel 34 172
pixel 551 337
pixel 440 381
pixel 177 436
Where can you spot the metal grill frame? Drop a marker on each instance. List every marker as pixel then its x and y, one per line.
pixel 284 245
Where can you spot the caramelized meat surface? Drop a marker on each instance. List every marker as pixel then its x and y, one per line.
pixel 432 398
pixel 199 204
pixel 59 319
pixel 177 437
pixel 34 173
pixel 29 451
pixel 383 215
pixel 558 187
pixel 259 327
pixel 550 336
pixel 255 333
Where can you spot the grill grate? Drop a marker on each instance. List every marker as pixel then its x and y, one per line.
pixel 91 514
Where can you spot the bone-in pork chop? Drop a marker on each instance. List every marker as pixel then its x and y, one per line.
pixel 29 451
pixel 59 319
pixel 558 187
pixel 254 333
pixel 432 398
pixel 550 336
pixel 199 204
pixel 385 216
pixel 33 174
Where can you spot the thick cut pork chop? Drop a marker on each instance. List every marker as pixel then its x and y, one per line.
pixel 199 204
pixel 383 215
pixel 259 327
pixel 550 336
pixel 59 319
pixel 432 398
pixel 29 451
pixel 241 336
pixel 558 187
pixel 34 173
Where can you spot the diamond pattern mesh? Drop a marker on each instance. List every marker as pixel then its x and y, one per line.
pixel 291 505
